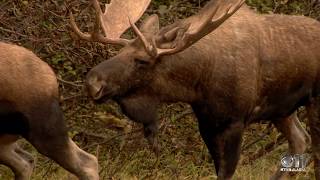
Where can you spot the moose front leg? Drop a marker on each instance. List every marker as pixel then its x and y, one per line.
pixel 223 146
pixel 143 110
pixel 151 133
pixel 223 143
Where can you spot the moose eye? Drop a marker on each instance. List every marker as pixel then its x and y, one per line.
pixel 141 62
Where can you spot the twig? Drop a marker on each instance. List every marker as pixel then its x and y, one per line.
pixel 258 139
pixel 69 82
pixel 268 148
pixel 97 151
pixel 255 141
pixel 48 169
pixel 183 114
pixel 71 97
pixel 94 134
pixel 110 139
pixel 11 31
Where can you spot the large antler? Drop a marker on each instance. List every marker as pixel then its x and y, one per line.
pixel 180 35
pixel 114 21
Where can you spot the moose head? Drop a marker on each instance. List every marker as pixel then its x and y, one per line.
pixel 133 66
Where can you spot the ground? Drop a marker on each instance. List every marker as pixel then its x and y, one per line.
pixel 43 27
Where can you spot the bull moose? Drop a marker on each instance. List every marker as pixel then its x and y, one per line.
pixel 29 107
pixel 231 64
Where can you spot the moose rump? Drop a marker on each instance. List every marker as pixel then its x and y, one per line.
pixel 29 108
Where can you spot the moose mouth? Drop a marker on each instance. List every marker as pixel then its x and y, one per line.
pixel 103 95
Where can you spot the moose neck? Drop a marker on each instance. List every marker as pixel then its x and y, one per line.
pixel 177 77
pixel 211 68
pixel 184 76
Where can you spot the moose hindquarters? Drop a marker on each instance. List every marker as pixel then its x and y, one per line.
pixel 29 107
pixel 48 134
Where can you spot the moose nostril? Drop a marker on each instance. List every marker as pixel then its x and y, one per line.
pixel 95 90
pixel 94 86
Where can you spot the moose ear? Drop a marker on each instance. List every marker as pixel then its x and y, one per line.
pixel 150 25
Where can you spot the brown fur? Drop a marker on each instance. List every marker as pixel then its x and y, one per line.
pixel 29 108
pixel 23 65
pixel 252 67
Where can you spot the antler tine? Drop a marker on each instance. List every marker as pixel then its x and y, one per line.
pixel 101 24
pixel 99 15
pixel 227 13
pixel 95 34
pixel 148 47
pixel 114 20
pixel 211 24
pixel 76 29
pixel 185 33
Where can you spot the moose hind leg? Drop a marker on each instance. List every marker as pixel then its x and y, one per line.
pixel 24 154
pixel 49 136
pixel 21 168
pixel 313 111
pixel 297 138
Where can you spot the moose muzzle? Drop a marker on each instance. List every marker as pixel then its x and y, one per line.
pixel 94 86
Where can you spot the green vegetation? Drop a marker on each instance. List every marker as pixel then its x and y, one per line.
pixel 122 151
